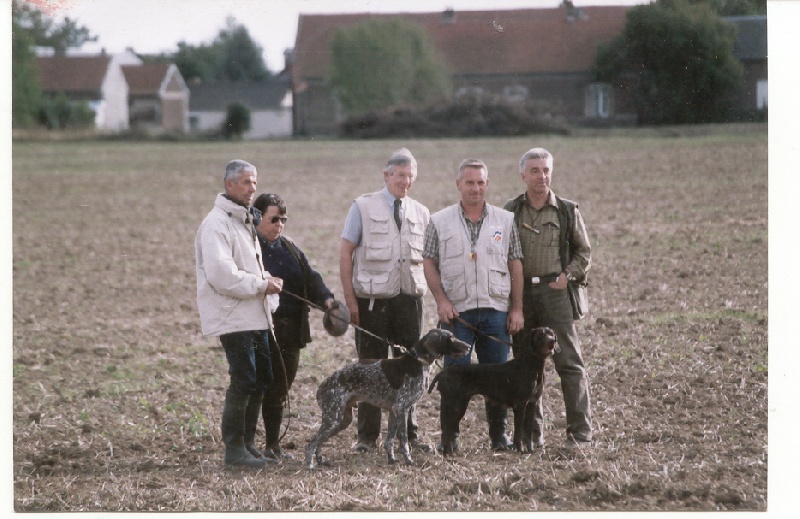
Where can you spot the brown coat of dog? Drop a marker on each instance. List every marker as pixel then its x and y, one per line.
pixel 517 383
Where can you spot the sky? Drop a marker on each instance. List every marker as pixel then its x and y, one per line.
pixel 152 26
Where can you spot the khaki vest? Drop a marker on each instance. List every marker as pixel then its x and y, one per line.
pixel 483 282
pixel 388 261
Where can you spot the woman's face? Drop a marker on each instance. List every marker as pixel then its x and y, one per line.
pixel 269 229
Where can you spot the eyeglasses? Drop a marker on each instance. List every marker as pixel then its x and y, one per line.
pixel 281 218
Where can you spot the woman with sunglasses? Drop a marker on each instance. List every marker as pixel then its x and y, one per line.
pixel 284 259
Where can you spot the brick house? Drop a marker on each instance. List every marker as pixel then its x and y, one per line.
pixel 118 88
pixel 158 98
pixel 750 48
pixel 542 56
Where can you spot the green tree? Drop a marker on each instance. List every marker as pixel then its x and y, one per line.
pixel 232 56
pixel 237 121
pixel 680 57
pixel 25 88
pixel 735 7
pixel 44 32
pixel 383 63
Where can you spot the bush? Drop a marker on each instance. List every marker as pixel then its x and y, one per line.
pixel 468 117
pixel 59 113
pixel 237 121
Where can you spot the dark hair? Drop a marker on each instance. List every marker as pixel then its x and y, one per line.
pixel 268 199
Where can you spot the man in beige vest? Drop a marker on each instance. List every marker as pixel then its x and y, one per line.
pixel 474 270
pixel 380 265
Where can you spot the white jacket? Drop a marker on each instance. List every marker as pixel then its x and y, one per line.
pixel 231 279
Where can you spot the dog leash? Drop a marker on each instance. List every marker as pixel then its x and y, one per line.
pixel 341 320
pixel 476 330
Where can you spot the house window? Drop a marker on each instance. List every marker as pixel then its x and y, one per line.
pixel 761 94
pixel 194 123
pixel 598 100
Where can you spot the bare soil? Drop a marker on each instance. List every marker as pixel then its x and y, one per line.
pixel 117 397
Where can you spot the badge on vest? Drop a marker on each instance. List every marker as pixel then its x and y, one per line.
pixel 497 235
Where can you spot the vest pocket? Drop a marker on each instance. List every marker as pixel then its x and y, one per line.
pixel 499 283
pixel 372 283
pixel 454 282
pixel 379 225
pixel 378 252
pixel 415 252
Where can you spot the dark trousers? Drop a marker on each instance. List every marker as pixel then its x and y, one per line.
pixel 249 362
pixel 545 306
pixel 285 362
pixel 398 320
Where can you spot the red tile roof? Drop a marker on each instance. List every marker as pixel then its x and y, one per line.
pixel 145 79
pixel 520 41
pixel 72 74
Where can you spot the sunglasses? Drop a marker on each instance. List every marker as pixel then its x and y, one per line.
pixel 282 219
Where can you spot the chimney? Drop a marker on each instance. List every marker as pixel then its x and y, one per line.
pixel 448 16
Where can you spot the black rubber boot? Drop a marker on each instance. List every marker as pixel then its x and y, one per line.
pixel 497 417
pixel 251 416
pixel 233 418
pixel 273 419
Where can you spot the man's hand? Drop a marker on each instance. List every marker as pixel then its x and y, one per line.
pixel 274 285
pixel 446 311
pixel 515 321
pixel 560 283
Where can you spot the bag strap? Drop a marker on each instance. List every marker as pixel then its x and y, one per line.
pixel 566 222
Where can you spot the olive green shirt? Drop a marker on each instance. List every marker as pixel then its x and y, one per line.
pixel 539 237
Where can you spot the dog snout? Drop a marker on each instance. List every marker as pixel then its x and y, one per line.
pixel 460 348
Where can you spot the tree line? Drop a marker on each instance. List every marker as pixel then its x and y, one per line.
pixel 679 47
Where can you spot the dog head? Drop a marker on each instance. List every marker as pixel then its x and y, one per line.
pixel 544 342
pixel 437 343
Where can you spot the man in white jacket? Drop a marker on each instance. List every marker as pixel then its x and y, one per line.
pixel 235 297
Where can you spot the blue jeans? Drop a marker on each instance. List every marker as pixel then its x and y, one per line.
pixel 249 363
pixel 490 322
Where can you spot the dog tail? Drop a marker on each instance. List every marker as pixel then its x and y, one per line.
pixel 434 381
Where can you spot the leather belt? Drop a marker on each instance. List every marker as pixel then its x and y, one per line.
pixel 547 278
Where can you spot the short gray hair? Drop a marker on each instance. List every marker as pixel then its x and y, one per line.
pixel 536 153
pixel 401 157
pixel 472 163
pixel 235 168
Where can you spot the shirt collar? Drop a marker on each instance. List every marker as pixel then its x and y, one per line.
pixel 551 200
pixel 390 198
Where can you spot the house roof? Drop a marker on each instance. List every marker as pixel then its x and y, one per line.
pixel 145 79
pixel 751 37
pixel 72 74
pixel 519 41
pixel 256 95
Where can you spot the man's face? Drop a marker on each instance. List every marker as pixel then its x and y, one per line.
pixel 399 181
pixel 472 186
pixel 243 190
pixel 537 176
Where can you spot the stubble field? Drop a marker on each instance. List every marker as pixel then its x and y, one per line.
pixel 117 397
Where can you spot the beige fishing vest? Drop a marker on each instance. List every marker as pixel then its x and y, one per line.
pixel 388 261
pixel 475 277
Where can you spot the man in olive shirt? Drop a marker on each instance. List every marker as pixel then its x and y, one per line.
pixel 548 265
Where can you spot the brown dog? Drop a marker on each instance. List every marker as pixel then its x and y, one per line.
pixel 517 383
